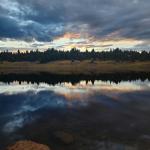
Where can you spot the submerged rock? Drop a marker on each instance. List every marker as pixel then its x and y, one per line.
pixel 64 137
pixel 28 145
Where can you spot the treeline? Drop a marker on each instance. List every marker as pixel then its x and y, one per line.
pixel 74 54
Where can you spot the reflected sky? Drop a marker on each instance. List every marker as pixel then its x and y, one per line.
pixel 82 87
pixel 119 108
pixel 17 99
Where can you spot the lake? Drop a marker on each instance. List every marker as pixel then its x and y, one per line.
pixel 80 115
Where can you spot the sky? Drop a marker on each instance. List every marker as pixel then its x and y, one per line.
pixel 84 24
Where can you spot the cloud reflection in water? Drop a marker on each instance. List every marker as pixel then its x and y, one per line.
pixel 118 108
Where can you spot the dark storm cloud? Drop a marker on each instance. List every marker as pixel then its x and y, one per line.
pixel 44 20
pixel 9 28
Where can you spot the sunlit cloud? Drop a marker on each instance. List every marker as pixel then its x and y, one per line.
pixel 71 40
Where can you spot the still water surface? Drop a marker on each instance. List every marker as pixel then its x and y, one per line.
pixel 99 116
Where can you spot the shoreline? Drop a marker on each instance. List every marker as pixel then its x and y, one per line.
pixel 74 68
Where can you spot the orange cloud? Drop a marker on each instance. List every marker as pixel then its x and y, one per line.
pixel 69 36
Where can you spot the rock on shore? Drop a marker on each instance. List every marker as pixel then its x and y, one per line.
pixel 28 145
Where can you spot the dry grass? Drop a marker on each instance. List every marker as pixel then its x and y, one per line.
pixel 68 67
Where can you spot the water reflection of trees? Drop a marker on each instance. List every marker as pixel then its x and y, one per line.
pixel 74 79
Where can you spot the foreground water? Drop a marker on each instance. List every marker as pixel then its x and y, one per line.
pixel 99 116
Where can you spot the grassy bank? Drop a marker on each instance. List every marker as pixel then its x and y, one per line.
pixel 68 67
